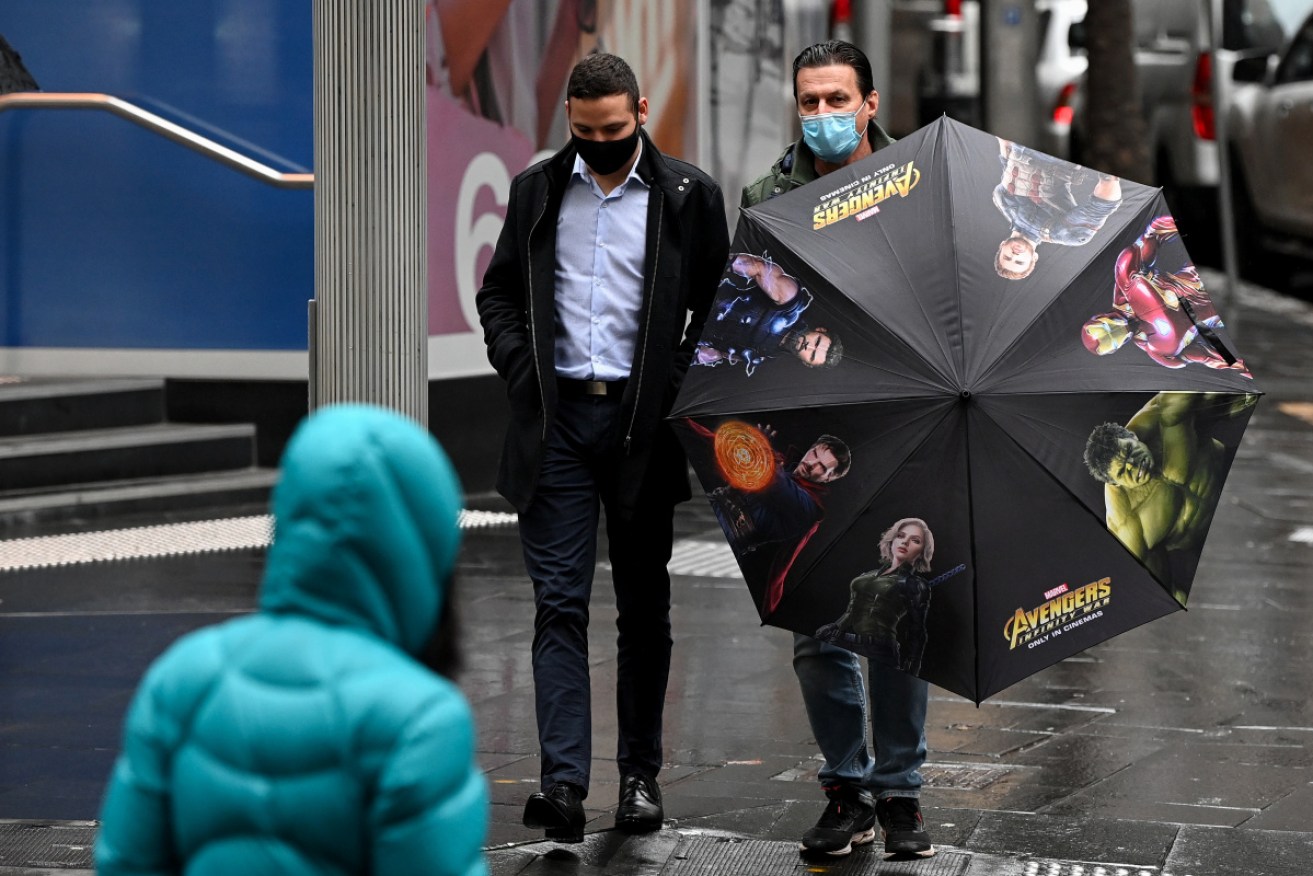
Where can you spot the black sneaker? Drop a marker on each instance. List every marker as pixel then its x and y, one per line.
pixel 903 828
pixel 848 820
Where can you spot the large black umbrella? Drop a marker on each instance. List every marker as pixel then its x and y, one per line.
pixel 964 408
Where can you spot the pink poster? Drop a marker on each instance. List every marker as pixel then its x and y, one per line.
pixel 497 71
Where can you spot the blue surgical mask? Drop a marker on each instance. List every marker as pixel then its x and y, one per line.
pixel 832 137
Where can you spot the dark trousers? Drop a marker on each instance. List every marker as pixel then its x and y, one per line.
pixel 559 535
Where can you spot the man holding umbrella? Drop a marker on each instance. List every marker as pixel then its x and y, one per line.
pixel 837 104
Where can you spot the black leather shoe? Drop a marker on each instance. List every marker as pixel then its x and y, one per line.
pixel 640 805
pixel 559 812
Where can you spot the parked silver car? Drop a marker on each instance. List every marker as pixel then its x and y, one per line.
pixel 1176 67
pixel 1270 130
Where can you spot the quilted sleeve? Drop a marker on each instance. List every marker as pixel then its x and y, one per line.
pixel 430 814
pixel 136 835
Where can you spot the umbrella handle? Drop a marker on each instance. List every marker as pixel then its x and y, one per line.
pixel 1208 334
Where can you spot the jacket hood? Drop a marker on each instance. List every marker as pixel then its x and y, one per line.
pixel 366 525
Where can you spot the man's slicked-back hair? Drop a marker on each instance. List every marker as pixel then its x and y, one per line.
pixel 830 53
pixel 602 75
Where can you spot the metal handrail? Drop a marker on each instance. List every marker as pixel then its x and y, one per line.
pixel 159 125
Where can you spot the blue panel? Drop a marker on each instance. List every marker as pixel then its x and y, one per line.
pixel 111 236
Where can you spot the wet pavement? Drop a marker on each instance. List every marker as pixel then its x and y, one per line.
pixel 1183 748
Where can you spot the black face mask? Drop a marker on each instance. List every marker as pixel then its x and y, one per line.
pixel 606 156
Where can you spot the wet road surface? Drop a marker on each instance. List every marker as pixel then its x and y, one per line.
pixel 1183 748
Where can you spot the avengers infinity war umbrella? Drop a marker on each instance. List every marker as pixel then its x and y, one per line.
pixel 964 408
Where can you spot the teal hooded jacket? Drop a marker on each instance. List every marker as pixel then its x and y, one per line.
pixel 306 738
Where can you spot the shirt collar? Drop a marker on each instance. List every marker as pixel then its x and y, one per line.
pixel 581 169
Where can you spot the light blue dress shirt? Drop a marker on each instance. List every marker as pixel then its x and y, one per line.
pixel 601 242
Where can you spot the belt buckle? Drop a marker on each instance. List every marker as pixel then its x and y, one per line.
pixel 594 387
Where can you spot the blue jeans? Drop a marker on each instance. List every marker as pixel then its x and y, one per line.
pixel 836 701
pixel 558 532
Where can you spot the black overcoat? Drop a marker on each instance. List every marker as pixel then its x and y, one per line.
pixel 687 248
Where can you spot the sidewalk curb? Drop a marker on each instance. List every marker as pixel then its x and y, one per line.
pixel 709 852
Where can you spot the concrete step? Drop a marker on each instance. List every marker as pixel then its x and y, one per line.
pixel 91 501
pixel 73 449
pixel 34 462
pixel 43 406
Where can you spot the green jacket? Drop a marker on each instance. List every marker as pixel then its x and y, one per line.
pixel 797 167
pixel 306 739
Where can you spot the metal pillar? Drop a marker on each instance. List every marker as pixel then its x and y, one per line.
pixel 369 320
pixel 1009 39
pixel 872 26
pixel 1225 199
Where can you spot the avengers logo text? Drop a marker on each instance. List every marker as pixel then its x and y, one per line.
pixel 862 197
pixel 1063 612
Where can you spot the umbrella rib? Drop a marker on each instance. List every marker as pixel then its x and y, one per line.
pixel 873 493
pixel 907 279
pixel 743 401
pixel 1037 360
pixel 1039 463
pixel 1109 243
pixel 934 388
pixel 898 259
pixel 1063 486
pixel 971 494
pixel 957 265
pixel 975 568
pixel 805 258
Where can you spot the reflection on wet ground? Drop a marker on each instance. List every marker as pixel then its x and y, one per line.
pixel 1135 751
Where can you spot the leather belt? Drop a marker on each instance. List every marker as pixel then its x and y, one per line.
pixel 568 386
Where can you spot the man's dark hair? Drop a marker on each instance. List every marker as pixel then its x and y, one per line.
pixel 794 335
pixel 834 355
pixel 843 457
pixel 832 52
pixel 1102 448
pixel 602 75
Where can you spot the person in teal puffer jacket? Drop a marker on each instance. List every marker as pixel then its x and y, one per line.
pixel 307 738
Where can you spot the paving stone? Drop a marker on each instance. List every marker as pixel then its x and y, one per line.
pixel 1202 852
pixel 1293 812
pixel 1139 843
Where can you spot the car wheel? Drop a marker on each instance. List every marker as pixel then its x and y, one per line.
pixel 1196 214
pixel 1076 146
pixel 1255 262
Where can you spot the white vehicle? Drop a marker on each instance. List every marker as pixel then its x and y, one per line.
pixel 1271 143
pixel 1177 66
pixel 1058 73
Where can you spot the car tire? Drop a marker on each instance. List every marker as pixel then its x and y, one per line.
pixel 1076 145
pixel 1195 211
pixel 1255 262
